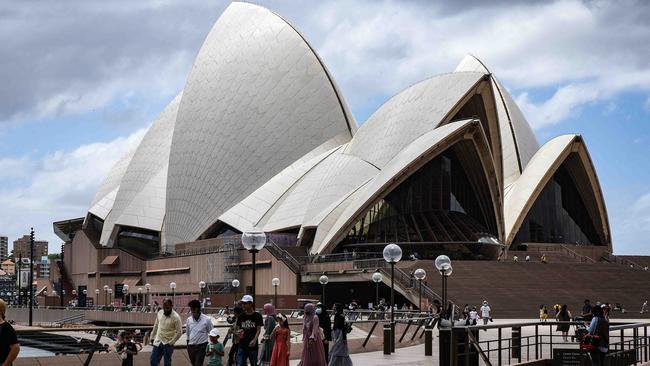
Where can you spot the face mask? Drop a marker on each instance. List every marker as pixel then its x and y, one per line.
pixel 318 310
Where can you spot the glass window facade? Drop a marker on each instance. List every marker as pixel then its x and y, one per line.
pixel 445 201
pixel 560 215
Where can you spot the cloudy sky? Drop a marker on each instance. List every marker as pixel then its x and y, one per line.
pixel 81 81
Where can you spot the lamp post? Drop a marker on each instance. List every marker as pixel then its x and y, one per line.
pixel 420 275
pixel 147 299
pixel 377 278
pixel 85 292
pixel 323 281
pixel 110 295
pixel 172 285
pixel 140 295
pixel 235 284
pixel 443 265
pixel 253 240
pixel 392 254
pixel 125 292
pixel 106 294
pixel 31 275
pixel 62 295
pixel 201 288
pixel 275 282
pixel 96 296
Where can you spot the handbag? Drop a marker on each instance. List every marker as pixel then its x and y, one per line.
pixel 590 342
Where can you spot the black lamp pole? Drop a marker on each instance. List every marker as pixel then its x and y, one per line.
pixel 31 275
pixel 253 253
pixel 392 306
pixel 62 292
pixel 20 276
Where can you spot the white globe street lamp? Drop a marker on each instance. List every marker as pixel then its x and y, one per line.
pixel 443 265
pixel 147 287
pixel 377 278
pixel 125 291
pixel 275 282
pixel 420 275
pixel 323 281
pixel 139 294
pixel 392 254
pixel 202 285
pixel 235 284
pixel 253 240
pixel 172 286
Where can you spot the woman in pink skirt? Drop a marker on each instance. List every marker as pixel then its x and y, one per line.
pixel 312 340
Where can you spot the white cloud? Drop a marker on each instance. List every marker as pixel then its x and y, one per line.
pixel 630 222
pixel 58 186
pixel 585 51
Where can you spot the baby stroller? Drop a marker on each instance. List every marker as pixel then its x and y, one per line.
pixel 581 329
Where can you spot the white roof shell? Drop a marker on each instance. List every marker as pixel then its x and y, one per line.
pixel 105 196
pixel 518 141
pixel 524 192
pixel 258 99
pixel 140 199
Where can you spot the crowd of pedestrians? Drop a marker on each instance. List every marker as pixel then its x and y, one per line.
pixel 256 340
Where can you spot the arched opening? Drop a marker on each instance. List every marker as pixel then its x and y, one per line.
pixel 444 205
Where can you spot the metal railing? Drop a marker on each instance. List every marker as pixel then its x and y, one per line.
pixel 525 342
pixel 284 256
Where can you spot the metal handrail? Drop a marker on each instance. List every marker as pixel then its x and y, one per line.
pixel 284 256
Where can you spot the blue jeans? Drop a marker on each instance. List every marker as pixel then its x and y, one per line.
pixel 244 353
pixel 158 352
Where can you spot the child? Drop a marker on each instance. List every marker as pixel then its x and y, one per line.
pixel 282 348
pixel 126 349
pixel 215 349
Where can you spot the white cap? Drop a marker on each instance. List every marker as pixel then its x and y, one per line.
pixel 214 332
pixel 247 298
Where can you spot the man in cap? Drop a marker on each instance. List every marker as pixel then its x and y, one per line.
pixel 485 312
pixel 197 328
pixel 166 331
pixel 250 323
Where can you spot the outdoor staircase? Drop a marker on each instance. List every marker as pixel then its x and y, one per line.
pixel 284 256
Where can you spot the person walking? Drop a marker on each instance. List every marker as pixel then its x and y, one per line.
pixel 167 329
pixel 473 316
pixel 197 327
pixel 564 315
pixel 325 324
pixel 267 341
pixel 250 324
pixel 340 355
pixel 543 313
pixel 644 307
pixel 312 341
pixel 9 346
pixel 485 312
pixel 234 333
pixel 599 326
pixel 282 336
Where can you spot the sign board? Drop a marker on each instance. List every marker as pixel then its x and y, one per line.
pixel 570 357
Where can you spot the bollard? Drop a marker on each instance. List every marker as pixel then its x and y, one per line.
pixel 428 341
pixel 387 342
pixel 516 343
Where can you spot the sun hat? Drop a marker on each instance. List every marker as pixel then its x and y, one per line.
pixel 214 332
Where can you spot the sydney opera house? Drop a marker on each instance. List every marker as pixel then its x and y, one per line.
pixel 261 136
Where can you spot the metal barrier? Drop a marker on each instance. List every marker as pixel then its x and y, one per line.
pixel 524 342
pixel 88 341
